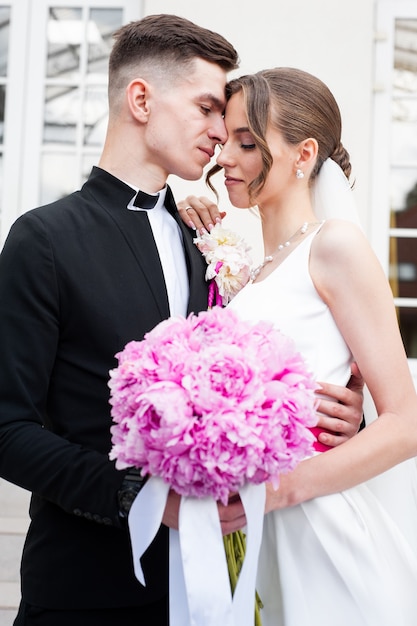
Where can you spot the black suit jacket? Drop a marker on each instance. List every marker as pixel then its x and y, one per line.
pixel 79 278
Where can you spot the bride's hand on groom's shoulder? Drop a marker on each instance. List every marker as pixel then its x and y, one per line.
pixel 199 213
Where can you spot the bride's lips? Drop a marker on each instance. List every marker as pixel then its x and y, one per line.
pixel 229 181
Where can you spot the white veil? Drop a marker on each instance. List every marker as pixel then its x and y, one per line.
pixel 396 489
pixel 332 195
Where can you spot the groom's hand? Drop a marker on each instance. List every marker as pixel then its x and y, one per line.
pixel 342 416
pixel 232 516
pixel 172 507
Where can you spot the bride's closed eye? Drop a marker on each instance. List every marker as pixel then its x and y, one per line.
pixel 247 141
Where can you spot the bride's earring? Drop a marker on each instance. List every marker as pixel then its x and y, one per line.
pixel 299 173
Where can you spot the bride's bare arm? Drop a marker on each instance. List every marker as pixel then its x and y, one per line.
pixel 370 328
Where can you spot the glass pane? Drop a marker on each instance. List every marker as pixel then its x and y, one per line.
pixel 61 114
pixel 405 56
pixel 2 104
pixel 59 176
pixel 1 182
pixel 403 279
pixel 101 26
pixel 66 31
pixel 402 184
pixel 407 317
pixel 403 265
pixel 404 130
pixel 95 116
pixel 4 39
pixel 404 103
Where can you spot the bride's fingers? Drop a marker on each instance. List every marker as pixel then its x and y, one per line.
pixel 199 213
pixel 184 208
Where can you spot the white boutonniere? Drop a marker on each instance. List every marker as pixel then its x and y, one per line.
pixel 228 263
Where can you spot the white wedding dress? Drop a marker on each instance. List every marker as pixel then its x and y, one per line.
pixel 338 560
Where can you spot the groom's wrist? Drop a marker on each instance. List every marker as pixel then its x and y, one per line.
pixel 132 483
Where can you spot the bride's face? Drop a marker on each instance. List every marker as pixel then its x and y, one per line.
pixel 240 157
pixel 242 162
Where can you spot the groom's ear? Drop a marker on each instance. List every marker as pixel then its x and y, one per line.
pixel 138 97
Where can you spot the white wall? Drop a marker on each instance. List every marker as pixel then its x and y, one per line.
pixel 329 38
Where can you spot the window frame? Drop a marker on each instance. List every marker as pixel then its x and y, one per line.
pixel 380 231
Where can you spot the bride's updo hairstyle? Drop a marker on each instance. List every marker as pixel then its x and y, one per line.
pixel 297 104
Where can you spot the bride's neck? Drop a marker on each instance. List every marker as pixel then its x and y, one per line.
pixel 278 229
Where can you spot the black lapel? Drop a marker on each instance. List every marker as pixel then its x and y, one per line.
pixel 114 196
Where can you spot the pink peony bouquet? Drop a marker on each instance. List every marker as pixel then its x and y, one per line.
pixel 210 402
pixel 228 263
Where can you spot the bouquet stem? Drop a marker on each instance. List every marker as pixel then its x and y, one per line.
pixel 235 548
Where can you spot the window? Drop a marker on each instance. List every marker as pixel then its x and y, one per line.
pixel 75 95
pixel 394 219
pixel 53 96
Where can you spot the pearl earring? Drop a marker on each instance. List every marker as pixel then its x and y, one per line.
pixel 299 173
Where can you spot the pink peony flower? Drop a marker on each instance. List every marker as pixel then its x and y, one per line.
pixel 211 402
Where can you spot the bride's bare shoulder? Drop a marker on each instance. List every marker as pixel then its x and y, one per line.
pixel 336 239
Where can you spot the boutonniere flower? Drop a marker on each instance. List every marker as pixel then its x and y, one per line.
pixel 228 263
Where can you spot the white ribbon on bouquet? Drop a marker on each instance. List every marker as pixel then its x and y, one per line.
pixel 199 589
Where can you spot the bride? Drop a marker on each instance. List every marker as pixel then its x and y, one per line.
pixel 332 553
